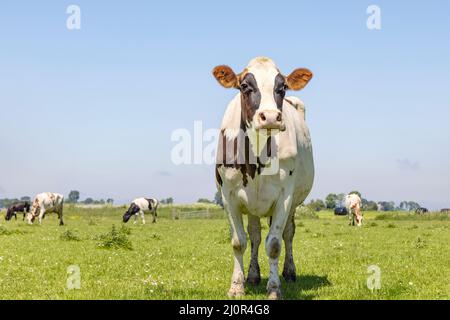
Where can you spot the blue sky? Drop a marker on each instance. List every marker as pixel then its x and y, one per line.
pixel 94 109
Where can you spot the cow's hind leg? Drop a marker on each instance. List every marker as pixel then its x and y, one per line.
pixel 60 215
pixel 154 216
pixel 239 244
pixel 254 230
pixel 289 272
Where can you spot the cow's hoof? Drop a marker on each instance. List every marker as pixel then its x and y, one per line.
pixel 274 294
pixel 253 280
pixel 289 276
pixel 236 291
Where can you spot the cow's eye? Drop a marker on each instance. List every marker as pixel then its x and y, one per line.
pixel 245 88
pixel 282 90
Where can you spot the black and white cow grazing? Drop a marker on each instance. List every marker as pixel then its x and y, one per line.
pixel 140 206
pixel 421 210
pixel 46 203
pixel 264 165
pixel 17 207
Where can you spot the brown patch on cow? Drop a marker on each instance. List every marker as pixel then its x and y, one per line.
pixel 233 158
pixel 52 197
pixel 274 248
pixel 299 78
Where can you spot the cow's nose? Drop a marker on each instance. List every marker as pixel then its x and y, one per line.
pixel 270 119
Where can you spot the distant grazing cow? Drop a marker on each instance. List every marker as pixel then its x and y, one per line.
pixel 17 207
pixel 445 211
pixel 421 210
pixel 46 203
pixel 140 206
pixel 261 124
pixel 353 205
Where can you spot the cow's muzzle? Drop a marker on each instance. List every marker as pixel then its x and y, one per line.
pixel 270 120
pixel 126 217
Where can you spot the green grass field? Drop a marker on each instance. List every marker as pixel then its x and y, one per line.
pixel 191 258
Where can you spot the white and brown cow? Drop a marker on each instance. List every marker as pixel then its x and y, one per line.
pixel 353 205
pixel 46 203
pixel 140 206
pixel 264 165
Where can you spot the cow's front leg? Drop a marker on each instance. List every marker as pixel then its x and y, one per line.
pixel 154 216
pixel 41 216
pixel 273 244
pixel 142 217
pixel 289 272
pixel 239 244
pixel 254 230
pixel 135 219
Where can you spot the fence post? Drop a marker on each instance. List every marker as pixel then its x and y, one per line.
pixel 174 214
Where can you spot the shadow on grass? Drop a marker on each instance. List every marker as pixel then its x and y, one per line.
pixel 305 288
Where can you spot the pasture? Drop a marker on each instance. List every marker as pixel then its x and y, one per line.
pixel 190 257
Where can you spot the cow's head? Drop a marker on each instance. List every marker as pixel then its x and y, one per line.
pixel 132 210
pixel 33 212
pixel 9 214
pixel 262 88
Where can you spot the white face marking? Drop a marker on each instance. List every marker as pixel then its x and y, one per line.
pixel 265 73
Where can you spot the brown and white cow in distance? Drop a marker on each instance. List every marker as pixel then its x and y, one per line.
pixel 353 204
pixel 264 165
pixel 46 203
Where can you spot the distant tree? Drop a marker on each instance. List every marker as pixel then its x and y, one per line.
pixel 204 200
pixel 413 206
pixel 369 205
pixel 166 201
pixel 26 199
pixel 330 201
pixel 4 203
pixel 387 206
pixel 110 201
pixel 340 200
pixel 89 201
pixel 74 196
pixel 317 205
pixel 218 199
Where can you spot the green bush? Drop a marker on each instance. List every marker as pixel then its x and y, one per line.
pixel 115 239
pixel 304 212
pixel 69 235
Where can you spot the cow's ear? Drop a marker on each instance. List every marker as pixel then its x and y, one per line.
pixel 299 78
pixel 226 76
